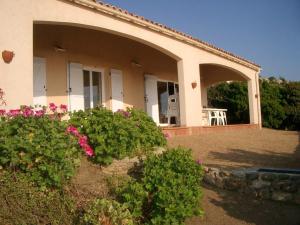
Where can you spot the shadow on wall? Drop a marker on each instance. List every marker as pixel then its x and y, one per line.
pixel 238 158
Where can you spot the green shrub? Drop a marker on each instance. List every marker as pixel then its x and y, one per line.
pixel 169 190
pixel 149 134
pixel 110 212
pixel 116 135
pixel 134 196
pixel 21 202
pixel 40 147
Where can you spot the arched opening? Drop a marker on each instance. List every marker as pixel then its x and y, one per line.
pixel 84 67
pixel 225 89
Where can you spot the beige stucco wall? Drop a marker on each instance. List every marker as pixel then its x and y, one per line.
pixel 98 49
pixel 19 16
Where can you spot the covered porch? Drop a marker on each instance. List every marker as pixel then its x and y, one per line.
pixel 84 68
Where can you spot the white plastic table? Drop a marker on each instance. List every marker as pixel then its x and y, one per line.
pixel 218 114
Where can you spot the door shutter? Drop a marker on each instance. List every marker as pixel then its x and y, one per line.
pixel 151 97
pixel 117 90
pixel 39 81
pixel 76 95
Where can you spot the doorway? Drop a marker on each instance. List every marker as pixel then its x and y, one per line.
pixel 168 102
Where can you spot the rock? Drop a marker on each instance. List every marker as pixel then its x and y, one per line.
pixel 296 198
pixel 287 185
pixel 258 184
pixel 251 175
pixel 268 176
pixel 238 174
pixel 233 184
pixel 282 176
pixel 224 173
pixel 281 196
pixel 264 193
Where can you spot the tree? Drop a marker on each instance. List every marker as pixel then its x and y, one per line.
pixel 234 97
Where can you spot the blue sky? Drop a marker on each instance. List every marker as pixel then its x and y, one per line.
pixel 264 31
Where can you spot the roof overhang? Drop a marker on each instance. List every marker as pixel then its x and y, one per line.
pixel 162 29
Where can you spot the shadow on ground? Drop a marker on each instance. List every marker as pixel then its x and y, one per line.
pixel 225 207
pixel 242 158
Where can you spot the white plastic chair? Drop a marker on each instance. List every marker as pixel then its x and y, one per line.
pixel 173 108
pixel 213 117
pixel 224 118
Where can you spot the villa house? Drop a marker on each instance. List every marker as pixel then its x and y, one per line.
pixel 85 53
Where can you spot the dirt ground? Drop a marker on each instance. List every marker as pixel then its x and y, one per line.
pixel 237 149
pixel 230 150
pixel 228 208
pixel 245 148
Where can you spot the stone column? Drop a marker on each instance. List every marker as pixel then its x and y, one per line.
pixel 189 97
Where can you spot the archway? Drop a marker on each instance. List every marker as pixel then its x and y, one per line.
pixel 65 48
pixel 225 88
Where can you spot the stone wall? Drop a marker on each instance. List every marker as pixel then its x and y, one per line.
pixel 264 185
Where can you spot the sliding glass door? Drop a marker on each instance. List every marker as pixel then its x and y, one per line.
pixel 165 89
pixel 92 88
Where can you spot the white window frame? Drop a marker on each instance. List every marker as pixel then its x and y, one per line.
pixel 101 71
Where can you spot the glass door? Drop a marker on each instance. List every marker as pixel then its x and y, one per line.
pixel 92 89
pixel 166 89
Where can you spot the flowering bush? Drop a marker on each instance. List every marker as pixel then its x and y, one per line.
pixel 82 140
pixel 168 191
pixel 38 145
pixel 119 134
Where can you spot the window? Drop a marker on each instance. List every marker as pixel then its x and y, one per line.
pixel 92 88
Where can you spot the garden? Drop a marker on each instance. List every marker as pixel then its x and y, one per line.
pixel 41 153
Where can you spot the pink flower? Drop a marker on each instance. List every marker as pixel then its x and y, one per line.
pixel 88 150
pixel 199 161
pixel 167 135
pixel 82 141
pixel 27 112
pixel 40 113
pixel 2 112
pixel 73 130
pixel 64 108
pixel 52 107
pixel 14 112
pixel 124 113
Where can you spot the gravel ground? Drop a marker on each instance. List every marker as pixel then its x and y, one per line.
pixel 237 149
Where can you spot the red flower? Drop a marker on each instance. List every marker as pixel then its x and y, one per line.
pixel 2 112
